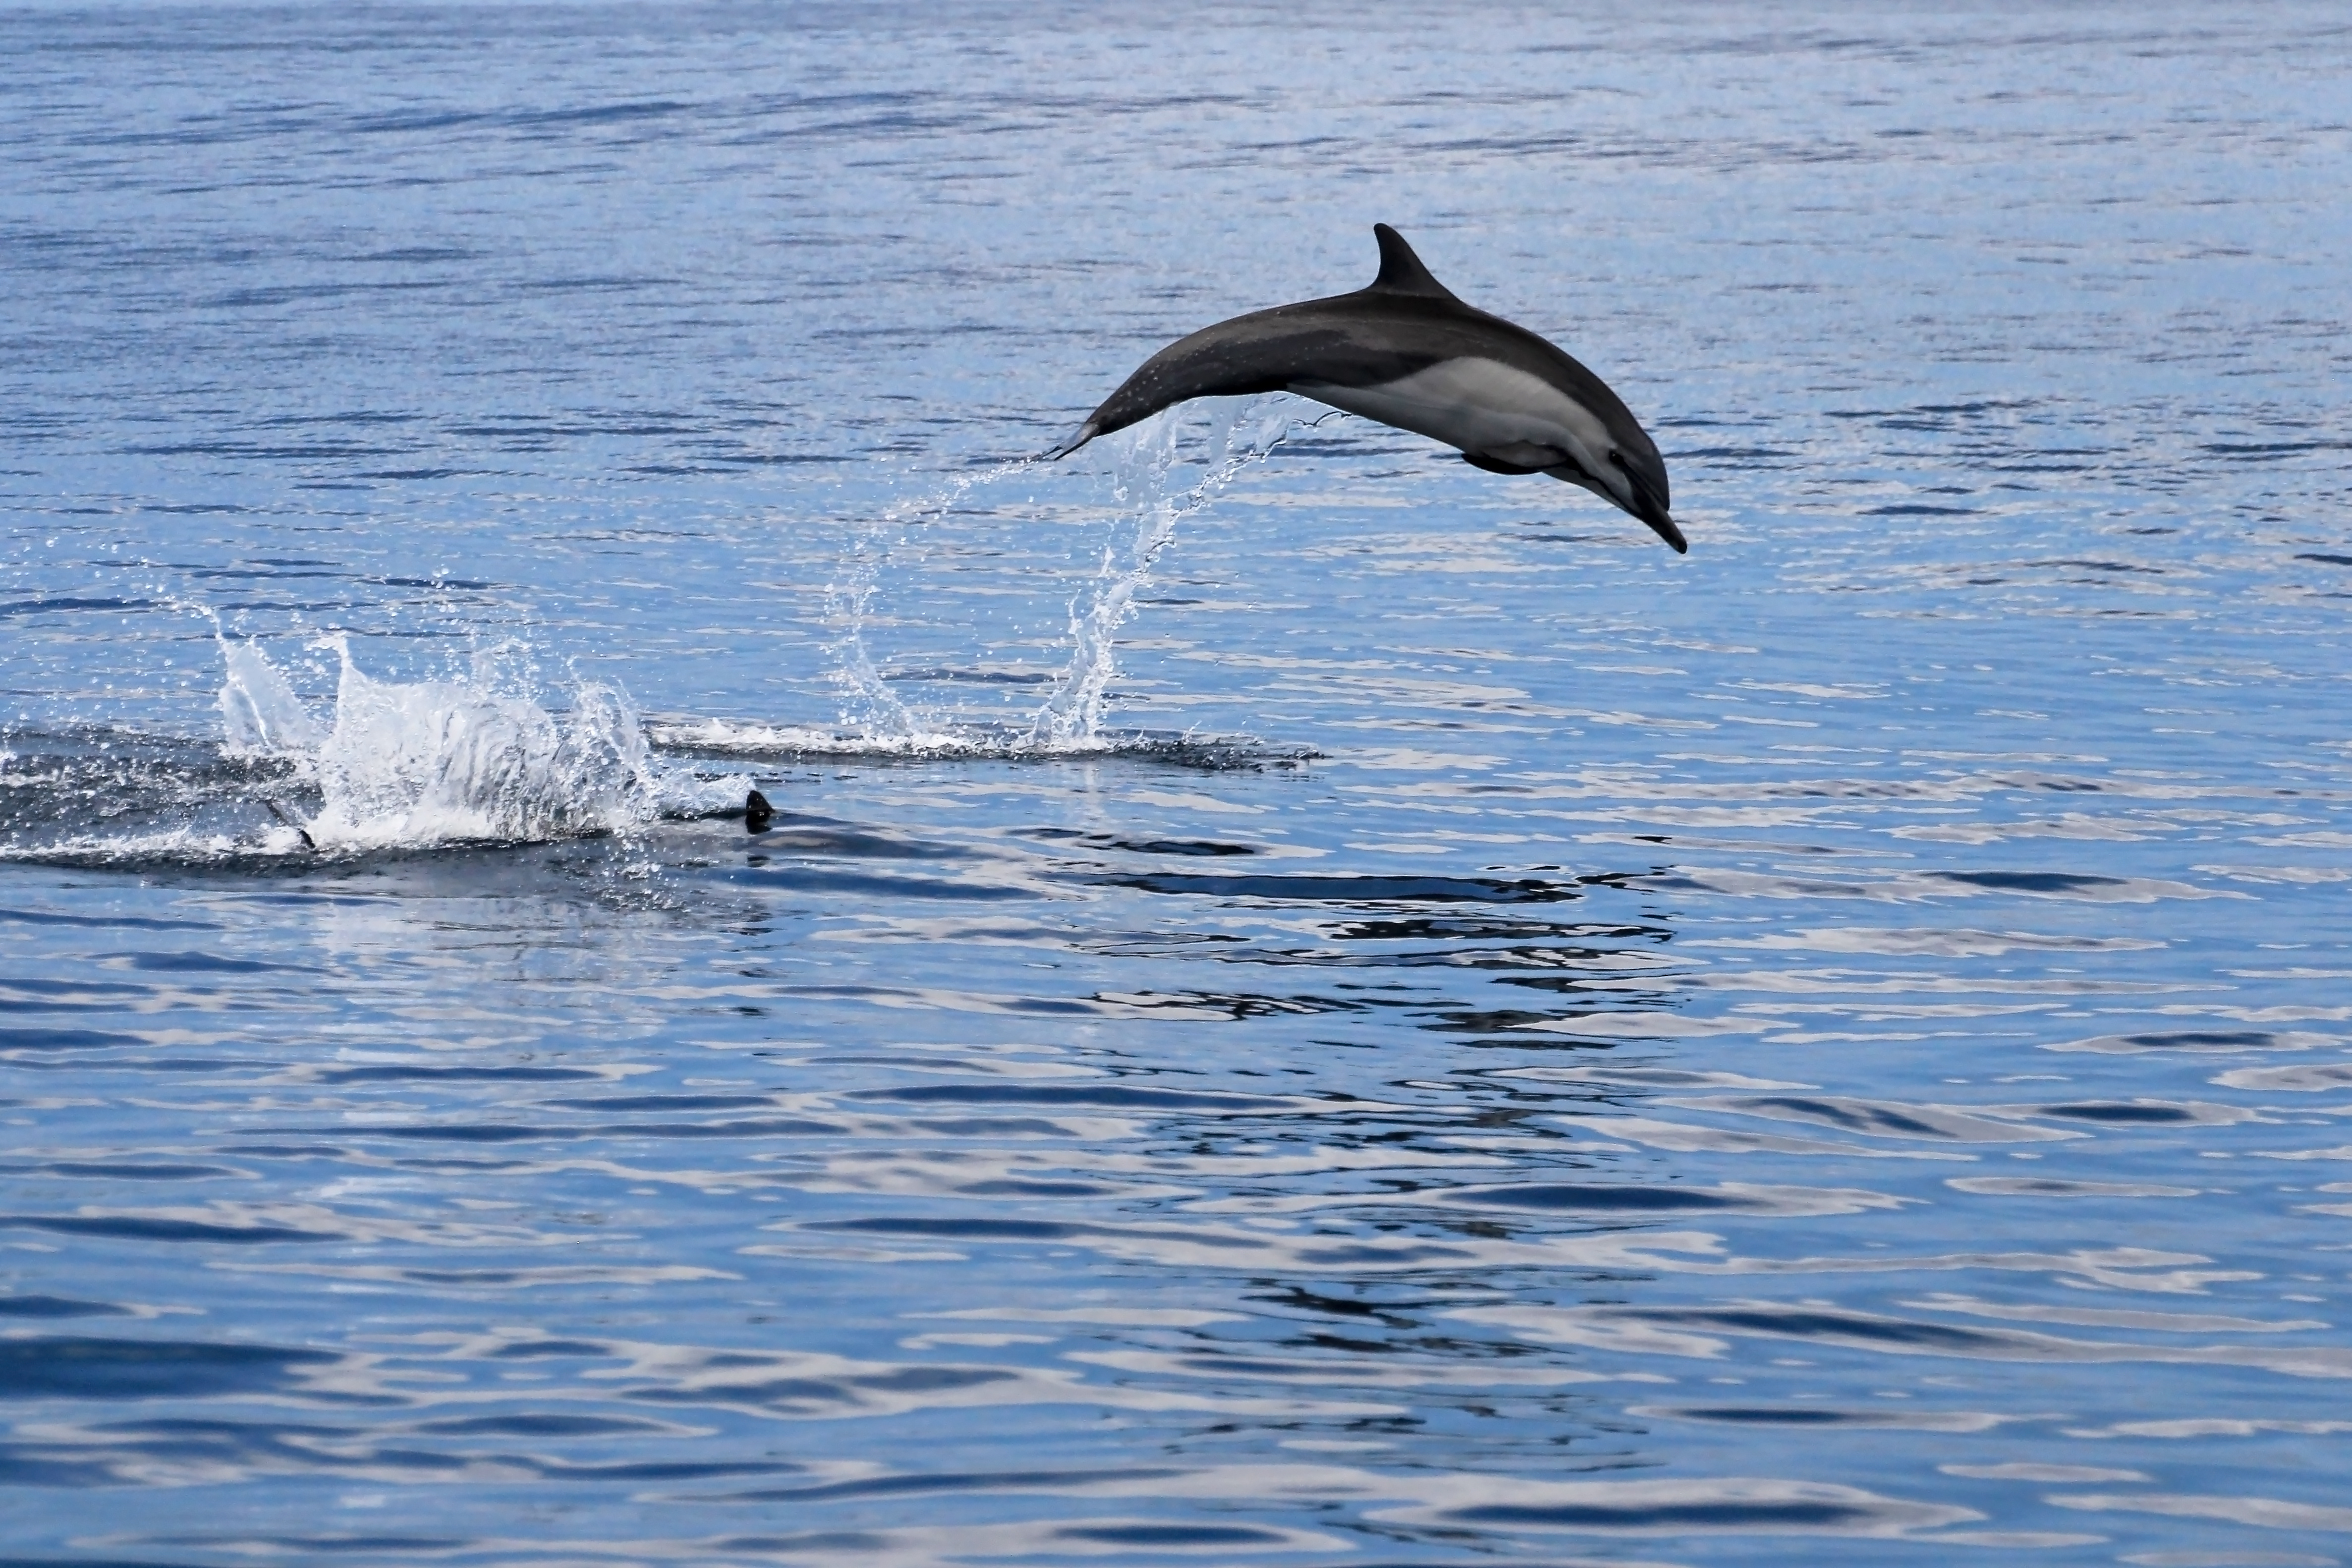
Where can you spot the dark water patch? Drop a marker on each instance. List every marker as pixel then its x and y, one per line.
pixel 1170 1537
pixel 435 585
pixel 1598 1197
pixel 103 922
pixel 1876 1118
pixel 134 1171
pixel 1042 1006
pixel 974 676
pixel 2139 1113
pixel 135 1227
pixel 1109 1096
pixel 1848 1328
pixel 2060 1187
pixel 1189 848
pixel 625 1103
pixel 387 1072
pixel 2196 1042
pixel 956 1229
pixel 810 1395
pixel 1349 890
pixel 195 963
pixel 873 888
pixel 1448 930
pixel 63 605
pixel 1009 1187
pixel 264 572
pixel 543 1423
pixel 23 1039
pixel 29 1465
pixel 601 114
pixel 2059 883
pixel 82 1368
pixel 1817 1415
pixel 956 1481
pixel 535 1349
pixel 57 1307
pixel 526 1132
pixel 1228 1006
pixel 2270 449
pixel 1673 1518
pixel 625 1471
pixel 789 836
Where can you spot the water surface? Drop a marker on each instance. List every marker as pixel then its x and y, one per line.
pixel 1303 1003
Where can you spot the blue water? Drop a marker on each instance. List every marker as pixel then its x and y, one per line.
pixel 1304 1004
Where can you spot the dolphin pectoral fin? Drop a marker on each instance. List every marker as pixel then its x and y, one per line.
pixel 1518 457
pixel 1496 465
pixel 1072 442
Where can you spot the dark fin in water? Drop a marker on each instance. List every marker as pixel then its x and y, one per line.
pixel 757 812
pixel 282 815
pixel 1401 271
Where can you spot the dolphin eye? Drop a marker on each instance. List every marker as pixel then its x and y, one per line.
pixel 1617 458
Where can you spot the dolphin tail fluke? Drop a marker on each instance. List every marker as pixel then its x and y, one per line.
pixel 1072 442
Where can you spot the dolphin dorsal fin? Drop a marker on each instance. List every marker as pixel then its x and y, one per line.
pixel 1401 271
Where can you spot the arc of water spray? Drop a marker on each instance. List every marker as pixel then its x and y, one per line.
pixel 850 598
pixel 1240 432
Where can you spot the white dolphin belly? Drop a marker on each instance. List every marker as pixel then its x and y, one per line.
pixel 1485 406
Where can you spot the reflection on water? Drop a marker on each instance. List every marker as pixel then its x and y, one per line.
pixel 1299 1004
pixel 1139 1209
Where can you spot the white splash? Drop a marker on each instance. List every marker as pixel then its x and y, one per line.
pixel 259 709
pixel 475 756
pixel 477 759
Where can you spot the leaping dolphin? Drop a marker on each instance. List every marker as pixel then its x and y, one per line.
pixel 1405 352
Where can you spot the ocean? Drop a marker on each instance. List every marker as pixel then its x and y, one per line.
pixel 1302 1004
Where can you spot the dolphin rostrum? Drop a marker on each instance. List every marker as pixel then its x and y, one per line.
pixel 1405 352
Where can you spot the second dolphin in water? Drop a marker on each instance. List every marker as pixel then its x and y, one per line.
pixel 1405 352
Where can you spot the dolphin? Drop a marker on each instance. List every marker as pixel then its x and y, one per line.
pixel 1406 353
